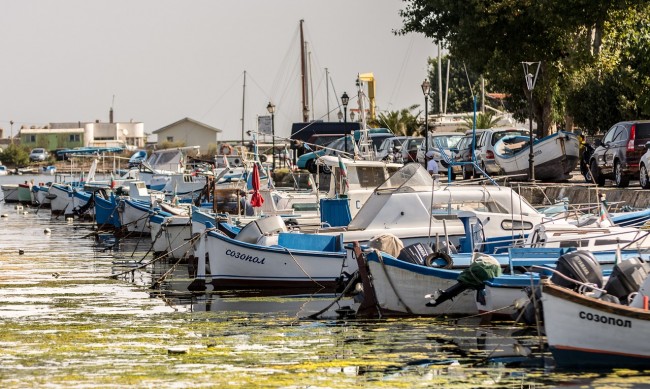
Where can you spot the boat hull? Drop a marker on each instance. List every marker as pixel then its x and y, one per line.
pixel 171 235
pixel 244 265
pixel 555 157
pixel 10 193
pixel 585 332
pixel 135 217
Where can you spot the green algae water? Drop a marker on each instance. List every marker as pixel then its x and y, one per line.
pixel 66 323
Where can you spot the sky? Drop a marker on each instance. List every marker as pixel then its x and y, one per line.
pixel 159 61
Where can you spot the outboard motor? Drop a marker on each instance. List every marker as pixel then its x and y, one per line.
pixel 578 265
pixel 626 278
pixel 416 253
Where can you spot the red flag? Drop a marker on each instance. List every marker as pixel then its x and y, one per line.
pixel 256 198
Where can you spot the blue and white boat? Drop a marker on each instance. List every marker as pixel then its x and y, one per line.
pixel 264 254
pixel 555 156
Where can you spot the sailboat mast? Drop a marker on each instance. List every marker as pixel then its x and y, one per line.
pixel 303 69
pixel 243 106
pixel 327 86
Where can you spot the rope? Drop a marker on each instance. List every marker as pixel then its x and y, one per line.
pixel 390 282
pixel 301 268
pixel 347 288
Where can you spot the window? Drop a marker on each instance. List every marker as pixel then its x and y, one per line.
pixel 74 138
pixel 170 139
pixel 610 135
pixel 31 138
pixel 516 225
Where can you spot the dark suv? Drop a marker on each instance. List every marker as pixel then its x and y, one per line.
pixel 617 156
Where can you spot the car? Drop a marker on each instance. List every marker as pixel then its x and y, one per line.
pixel 38 154
pixel 308 160
pixel 391 149
pixel 485 148
pixel 439 143
pixel 618 155
pixel 410 148
pixel 463 152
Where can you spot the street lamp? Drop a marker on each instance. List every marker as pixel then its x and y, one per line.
pixel 530 85
pixel 340 116
pixel 426 88
pixel 345 99
pixel 11 124
pixel 271 109
pixel 352 115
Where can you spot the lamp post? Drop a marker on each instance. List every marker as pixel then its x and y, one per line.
pixel 344 100
pixel 11 125
pixel 426 88
pixel 340 116
pixel 530 85
pixel 271 109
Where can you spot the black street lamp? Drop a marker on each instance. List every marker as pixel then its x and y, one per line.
pixel 340 116
pixel 426 88
pixel 11 123
pixel 271 109
pixel 530 85
pixel 345 99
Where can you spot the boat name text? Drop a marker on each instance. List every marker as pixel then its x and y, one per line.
pixel 245 257
pixel 605 319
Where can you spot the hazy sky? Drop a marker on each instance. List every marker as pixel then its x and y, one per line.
pixel 163 60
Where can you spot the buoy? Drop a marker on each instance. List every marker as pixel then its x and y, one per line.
pixel 4 215
pixel 69 219
pixel 21 252
pixel 47 230
pixel 25 213
pixel 19 207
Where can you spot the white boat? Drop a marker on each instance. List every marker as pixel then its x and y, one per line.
pixel 171 230
pixel 583 331
pixel 555 156
pixel 10 193
pixel 264 255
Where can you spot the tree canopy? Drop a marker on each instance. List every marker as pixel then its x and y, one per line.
pixel 587 48
pixel 402 122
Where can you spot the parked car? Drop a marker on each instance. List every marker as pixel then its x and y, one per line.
pixel 410 148
pixel 441 142
pixel 377 136
pixel 485 148
pixel 463 152
pixel 618 155
pixel 38 155
pixel 391 149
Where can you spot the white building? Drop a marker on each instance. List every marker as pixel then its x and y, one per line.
pixel 189 132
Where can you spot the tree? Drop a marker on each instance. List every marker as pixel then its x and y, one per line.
pixel 15 155
pixel 493 38
pixel 483 120
pixel 457 92
pixel 402 122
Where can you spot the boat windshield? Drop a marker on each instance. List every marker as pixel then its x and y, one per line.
pixel 407 179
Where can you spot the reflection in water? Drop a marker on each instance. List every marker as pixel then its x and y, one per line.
pixel 66 323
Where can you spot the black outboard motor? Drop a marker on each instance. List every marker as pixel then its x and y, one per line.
pixel 580 266
pixel 627 277
pixel 416 253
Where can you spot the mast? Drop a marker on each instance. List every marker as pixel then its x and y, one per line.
pixel 243 106
pixel 303 69
pixel 327 86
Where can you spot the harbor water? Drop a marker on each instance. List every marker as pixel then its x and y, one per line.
pixel 67 321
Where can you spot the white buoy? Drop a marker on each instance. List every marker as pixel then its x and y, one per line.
pixel 19 207
pixel 25 213
pixel 69 219
pixel 47 230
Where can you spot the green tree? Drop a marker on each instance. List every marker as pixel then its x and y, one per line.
pixel 15 155
pixel 457 92
pixel 402 122
pixel 483 120
pixel 493 38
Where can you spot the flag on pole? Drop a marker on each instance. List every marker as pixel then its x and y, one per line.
pixel 112 181
pixel 603 218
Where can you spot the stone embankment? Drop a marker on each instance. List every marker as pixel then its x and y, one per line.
pixel 543 194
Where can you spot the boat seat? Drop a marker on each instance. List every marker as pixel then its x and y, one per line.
pixel 257 228
pixel 310 242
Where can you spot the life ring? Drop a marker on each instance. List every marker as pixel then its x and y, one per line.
pixel 433 260
pixel 225 149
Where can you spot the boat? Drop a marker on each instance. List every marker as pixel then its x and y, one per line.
pixel 264 254
pixel 555 156
pixel 3 170
pixel 10 193
pixel 585 331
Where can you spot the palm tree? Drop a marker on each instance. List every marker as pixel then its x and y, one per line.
pixel 483 120
pixel 402 122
